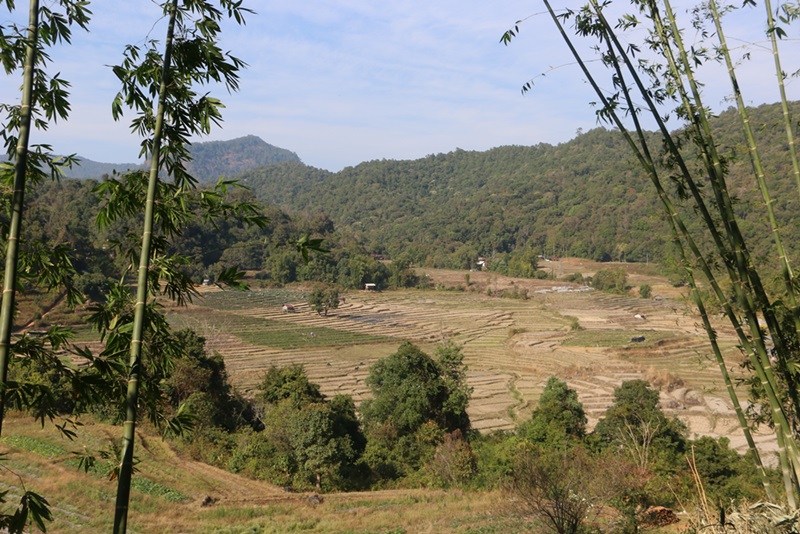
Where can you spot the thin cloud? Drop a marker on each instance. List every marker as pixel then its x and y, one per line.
pixel 343 81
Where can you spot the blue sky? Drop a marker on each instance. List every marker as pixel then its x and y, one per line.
pixel 345 81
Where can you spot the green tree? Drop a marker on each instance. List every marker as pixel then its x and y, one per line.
pixel 323 299
pixel 645 291
pixel 290 382
pixel 612 280
pixel 728 477
pixel 523 263
pixel 200 380
pixel 559 417
pixel 409 389
pixel 415 402
pixel 636 424
pixel 453 371
pixel 325 442
pixel 402 273
pixel 307 440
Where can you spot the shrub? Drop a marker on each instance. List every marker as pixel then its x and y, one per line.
pixel 610 280
pixel 645 291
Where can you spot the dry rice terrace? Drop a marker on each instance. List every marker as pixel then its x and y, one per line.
pixel 512 346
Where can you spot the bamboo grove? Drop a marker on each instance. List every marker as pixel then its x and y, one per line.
pixel 159 86
pixel 652 77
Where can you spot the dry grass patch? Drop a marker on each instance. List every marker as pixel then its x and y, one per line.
pixel 615 338
pixel 84 503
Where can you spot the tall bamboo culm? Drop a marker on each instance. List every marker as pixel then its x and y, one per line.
pixel 129 426
pixel 159 86
pixel 645 89
pixel 43 99
pixel 17 204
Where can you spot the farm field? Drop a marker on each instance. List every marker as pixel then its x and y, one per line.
pixel 511 345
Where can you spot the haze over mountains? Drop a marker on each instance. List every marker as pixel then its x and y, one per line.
pixel 211 160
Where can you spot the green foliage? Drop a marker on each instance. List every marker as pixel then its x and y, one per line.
pixel 410 389
pixel 148 487
pixel 611 280
pixel 636 425
pixel 645 291
pixel 453 372
pixel 290 383
pixel 494 456
pixel 323 299
pixel 581 198
pixel 43 99
pixel 201 382
pixel 306 440
pixel 402 273
pixel 415 402
pixel 728 478
pixel 33 509
pixel 37 446
pixel 519 263
pixel 213 159
pixel 558 419
pixel 453 463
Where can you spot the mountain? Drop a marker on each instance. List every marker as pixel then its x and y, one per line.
pixel 94 169
pixel 587 197
pixel 211 160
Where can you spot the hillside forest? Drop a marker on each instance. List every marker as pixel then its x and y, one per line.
pixel 511 206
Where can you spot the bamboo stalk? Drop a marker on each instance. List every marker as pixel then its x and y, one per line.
pixel 744 266
pixel 696 293
pixel 787 118
pixel 129 427
pixel 786 269
pixel 674 219
pixel 748 277
pixel 17 203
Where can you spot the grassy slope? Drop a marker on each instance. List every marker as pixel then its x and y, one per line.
pixel 84 502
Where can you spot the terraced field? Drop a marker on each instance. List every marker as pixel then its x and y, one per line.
pixel 512 346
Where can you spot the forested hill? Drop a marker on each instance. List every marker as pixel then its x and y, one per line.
pixel 581 198
pixel 587 198
pixel 210 160
pixel 227 158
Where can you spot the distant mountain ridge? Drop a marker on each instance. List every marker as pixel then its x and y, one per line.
pixel 587 197
pixel 210 160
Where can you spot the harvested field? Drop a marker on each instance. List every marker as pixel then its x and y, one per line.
pixel 512 346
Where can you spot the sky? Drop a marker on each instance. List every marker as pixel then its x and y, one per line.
pixel 340 82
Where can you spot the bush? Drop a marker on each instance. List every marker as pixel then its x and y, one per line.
pixel 645 291
pixel 558 419
pixel 610 280
pixel 556 487
pixel 453 463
